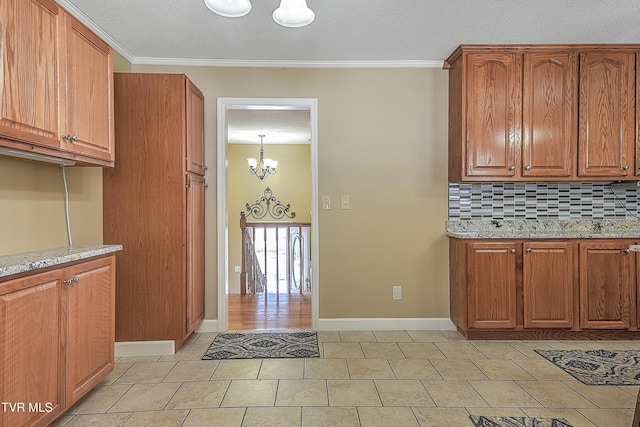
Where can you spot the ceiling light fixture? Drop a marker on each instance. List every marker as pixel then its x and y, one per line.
pixel 229 8
pixel 262 167
pixel 293 14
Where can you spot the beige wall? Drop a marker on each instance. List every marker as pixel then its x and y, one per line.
pixel 32 208
pixel 382 140
pixel 290 185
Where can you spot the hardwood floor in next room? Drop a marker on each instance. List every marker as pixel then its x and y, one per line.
pixel 275 311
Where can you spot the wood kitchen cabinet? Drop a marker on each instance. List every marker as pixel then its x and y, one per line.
pixel 30 348
pixel 89 322
pixel 195 251
pixel 56 338
pixel 154 207
pixel 542 113
pixel 607 291
pixel 549 284
pixel 31 71
pixel 549 115
pixel 493 126
pixel 491 282
pixel 606 144
pixel 56 84
pixel 89 93
pixel 553 289
pixel 195 129
pixel 512 115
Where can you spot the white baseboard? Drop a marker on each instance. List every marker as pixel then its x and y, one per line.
pixel 145 348
pixel 207 326
pixel 384 324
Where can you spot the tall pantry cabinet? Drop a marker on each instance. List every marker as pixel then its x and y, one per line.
pixel 154 207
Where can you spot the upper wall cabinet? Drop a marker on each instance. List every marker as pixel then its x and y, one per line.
pixel 56 87
pixel 541 113
pixel 89 93
pixel 31 71
pixel 607 119
pixel 549 115
pixel 493 118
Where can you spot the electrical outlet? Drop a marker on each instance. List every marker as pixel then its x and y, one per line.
pixel 397 292
pixel 237 269
pixel 345 203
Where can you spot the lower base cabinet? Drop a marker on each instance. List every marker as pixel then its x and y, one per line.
pixel 607 285
pixel 56 339
pixel 491 274
pixel 549 284
pixel 543 288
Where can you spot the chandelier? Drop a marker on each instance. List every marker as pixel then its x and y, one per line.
pixel 291 13
pixel 262 167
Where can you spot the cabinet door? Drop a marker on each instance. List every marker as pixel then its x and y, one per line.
pixel 637 158
pixel 195 252
pixel 549 272
pixel 89 93
pixel 89 302
pixel 607 128
pixel 606 274
pixel 491 275
pixel 30 36
pixel 550 113
pixel 195 129
pixel 493 114
pixel 30 358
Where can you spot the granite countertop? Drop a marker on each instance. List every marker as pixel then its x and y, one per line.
pixel 544 229
pixel 35 260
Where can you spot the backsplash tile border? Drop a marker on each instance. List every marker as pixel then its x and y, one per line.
pixel 548 200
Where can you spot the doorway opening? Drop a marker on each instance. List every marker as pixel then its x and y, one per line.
pixel 290 282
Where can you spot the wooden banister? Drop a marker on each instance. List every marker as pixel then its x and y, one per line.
pixel 252 278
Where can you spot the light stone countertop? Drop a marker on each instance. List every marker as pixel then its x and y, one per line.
pixel 35 260
pixel 544 229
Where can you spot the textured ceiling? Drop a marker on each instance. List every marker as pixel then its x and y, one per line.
pixel 349 32
pixel 278 126
pixel 345 33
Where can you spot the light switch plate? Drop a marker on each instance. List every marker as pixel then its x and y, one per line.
pixel 326 203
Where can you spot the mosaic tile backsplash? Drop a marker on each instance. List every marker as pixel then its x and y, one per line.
pixel 549 200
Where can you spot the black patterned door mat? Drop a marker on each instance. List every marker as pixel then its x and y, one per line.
pixel 482 421
pixel 263 345
pixel 598 367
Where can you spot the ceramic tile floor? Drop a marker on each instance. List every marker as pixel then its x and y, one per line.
pixel 370 378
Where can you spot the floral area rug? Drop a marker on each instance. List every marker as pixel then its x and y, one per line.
pixel 263 346
pixel 598 367
pixel 482 421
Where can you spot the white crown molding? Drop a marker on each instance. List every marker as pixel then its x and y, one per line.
pixel 251 63
pixel 287 63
